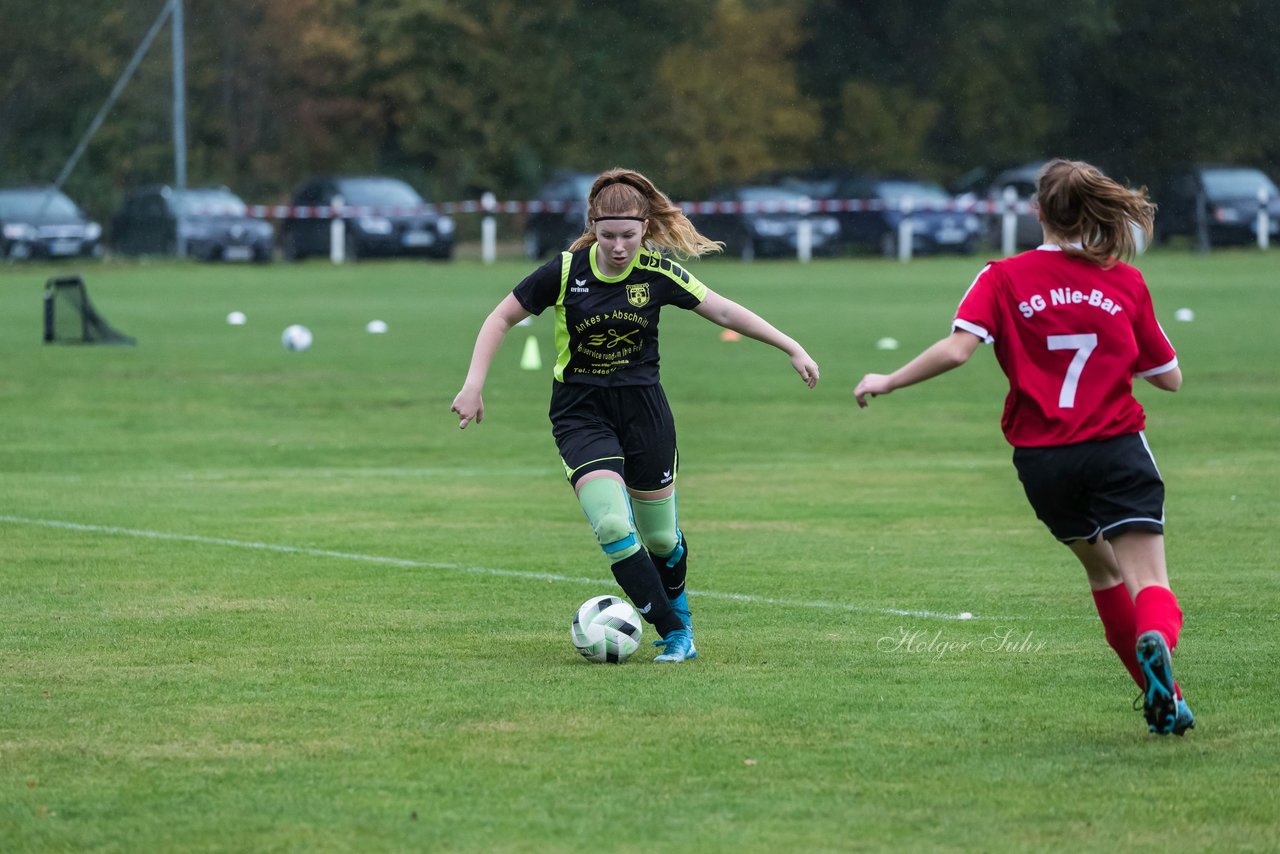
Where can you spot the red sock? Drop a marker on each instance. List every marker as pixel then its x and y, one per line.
pixel 1119 621
pixel 1156 608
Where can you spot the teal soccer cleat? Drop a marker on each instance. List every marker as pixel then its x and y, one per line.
pixel 1185 720
pixel 681 606
pixel 1159 700
pixel 678 646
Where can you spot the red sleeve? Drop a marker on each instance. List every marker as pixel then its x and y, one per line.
pixel 1155 354
pixel 977 312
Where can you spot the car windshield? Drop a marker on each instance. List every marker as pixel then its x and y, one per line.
pixel 818 188
pixel 769 194
pixel 18 204
pixel 1237 183
pixel 212 203
pixel 387 192
pixel 896 191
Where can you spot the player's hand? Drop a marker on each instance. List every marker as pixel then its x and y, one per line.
pixel 806 367
pixel 469 406
pixel 872 385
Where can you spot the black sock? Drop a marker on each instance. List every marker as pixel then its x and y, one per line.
pixel 673 573
pixel 639 579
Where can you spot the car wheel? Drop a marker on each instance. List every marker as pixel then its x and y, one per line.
pixel 289 247
pixel 532 249
pixel 889 244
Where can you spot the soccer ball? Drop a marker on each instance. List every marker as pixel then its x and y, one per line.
pixel 296 338
pixel 606 629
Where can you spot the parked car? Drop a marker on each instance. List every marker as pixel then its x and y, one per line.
pixel 939 224
pixel 566 219
pixel 764 222
pixel 41 222
pixel 1022 180
pixel 1229 195
pixel 213 221
pixel 382 217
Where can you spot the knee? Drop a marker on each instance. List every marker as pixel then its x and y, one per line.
pixel 662 542
pixel 613 532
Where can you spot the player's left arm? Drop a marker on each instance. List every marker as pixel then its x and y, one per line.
pixel 1170 380
pixel 1155 347
pixel 727 313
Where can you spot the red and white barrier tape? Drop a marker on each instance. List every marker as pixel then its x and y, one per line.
pixel 528 207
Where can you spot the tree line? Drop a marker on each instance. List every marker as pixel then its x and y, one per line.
pixel 462 96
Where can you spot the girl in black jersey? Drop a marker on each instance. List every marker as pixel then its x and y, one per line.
pixel 609 415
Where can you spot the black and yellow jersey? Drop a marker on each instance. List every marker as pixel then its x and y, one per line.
pixel 606 328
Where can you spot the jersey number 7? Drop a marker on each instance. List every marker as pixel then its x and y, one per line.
pixel 1084 345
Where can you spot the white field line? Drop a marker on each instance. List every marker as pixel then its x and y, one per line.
pixel 454 567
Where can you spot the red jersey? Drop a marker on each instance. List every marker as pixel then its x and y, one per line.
pixel 1070 336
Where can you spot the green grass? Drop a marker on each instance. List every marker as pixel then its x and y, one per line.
pixel 264 601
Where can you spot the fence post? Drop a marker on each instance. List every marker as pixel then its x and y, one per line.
pixel 337 233
pixel 1009 222
pixel 1264 219
pixel 488 229
pixel 1202 222
pixel 804 233
pixel 905 230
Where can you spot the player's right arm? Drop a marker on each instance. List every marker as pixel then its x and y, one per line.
pixel 469 404
pixel 942 356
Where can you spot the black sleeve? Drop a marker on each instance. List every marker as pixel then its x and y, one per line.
pixel 541 288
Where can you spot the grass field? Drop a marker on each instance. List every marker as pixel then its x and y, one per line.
pixel 260 601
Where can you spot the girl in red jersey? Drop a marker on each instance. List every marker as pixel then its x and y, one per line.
pixel 1072 326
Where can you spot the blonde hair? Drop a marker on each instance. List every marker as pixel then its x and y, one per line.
pixel 625 192
pixel 1078 202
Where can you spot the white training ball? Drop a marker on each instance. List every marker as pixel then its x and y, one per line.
pixel 606 629
pixel 296 338
pixel 887 344
pixel 236 318
pixel 1184 314
pixel 376 327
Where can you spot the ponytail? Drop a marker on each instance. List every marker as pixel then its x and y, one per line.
pixel 1078 202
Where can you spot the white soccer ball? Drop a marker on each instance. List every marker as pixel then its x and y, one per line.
pixel 606 629
pixel 236 318
pixel 296 338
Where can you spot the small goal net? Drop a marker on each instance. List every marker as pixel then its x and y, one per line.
pixel 70 318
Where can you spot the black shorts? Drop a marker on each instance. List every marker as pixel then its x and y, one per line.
pixel 626 429
pixel 1097 488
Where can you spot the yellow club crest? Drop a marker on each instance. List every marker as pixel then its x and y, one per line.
pixel 638 295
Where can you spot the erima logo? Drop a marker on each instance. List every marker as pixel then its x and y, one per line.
pixel 666 476
pixel 580 286
pixel 646 608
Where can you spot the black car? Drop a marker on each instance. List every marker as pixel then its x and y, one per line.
pixel 1027 232
pixel 762 222
pixel 381 217
pixel 871 211
pixel 41 222
pixel 1224 201
pixel 213 221
pixel 560 215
